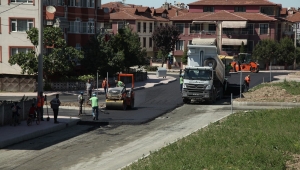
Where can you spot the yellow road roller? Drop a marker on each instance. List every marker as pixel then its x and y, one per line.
pixel 119 98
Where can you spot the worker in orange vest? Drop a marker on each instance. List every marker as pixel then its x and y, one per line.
pixel 105 85
pixel 247 82
pixel 40 104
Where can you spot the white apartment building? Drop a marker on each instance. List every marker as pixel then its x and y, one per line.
pixel 16 17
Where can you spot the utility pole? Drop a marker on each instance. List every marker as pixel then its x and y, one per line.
pixel 295 44
pixel 40 48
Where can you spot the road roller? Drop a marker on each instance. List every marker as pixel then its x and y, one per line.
pixel 120 98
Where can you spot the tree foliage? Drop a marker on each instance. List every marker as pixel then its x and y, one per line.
pixel 184 56
pixel 266 50
pixel 286 50
pixel 165 38
pixel 118 53
pixel 242 48
pixel 60 60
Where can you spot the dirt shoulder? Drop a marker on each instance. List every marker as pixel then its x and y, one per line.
pixel 272 93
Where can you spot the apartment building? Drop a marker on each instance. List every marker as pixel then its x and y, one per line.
pixel 229 23
pixel 78 19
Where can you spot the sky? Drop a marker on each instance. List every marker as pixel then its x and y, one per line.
pixel 158 3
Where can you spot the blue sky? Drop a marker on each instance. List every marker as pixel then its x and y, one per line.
pixel 158 3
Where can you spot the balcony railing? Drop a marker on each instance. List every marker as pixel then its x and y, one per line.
pixel 236 32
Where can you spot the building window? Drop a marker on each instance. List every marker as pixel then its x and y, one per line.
pixel 88 27
pixel 248 30
pixel 195 28
pixel 267 10
pixel 88 3
pixel 144 41
pixel 228 31
pixel 240 9
pixel 164 15
pixel 208 9
pixel 22 1
pixel 75 3
pixel 161 24
pixel 179 45
pixel 150 42
pixel 78 47
pixel 211 27
pixel 250 46
pixel 108 25
pixel 190 42
pixel 139 27
pixel 60 2
pixel 14 51
pixel 144 27
pixel 263 29
pixel 180 28
pixel 121 25
pixel 21 25
pixel 75 26
pixel 150 27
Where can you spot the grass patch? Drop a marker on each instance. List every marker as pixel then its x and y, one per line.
pixel 264 139
pixel 291 87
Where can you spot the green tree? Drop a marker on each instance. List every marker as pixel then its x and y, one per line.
pixel 286 51
pixel 266 51
pixel 165 38
pixel 184 56
pixel 118 53
pixel 242 48
pixel 59 61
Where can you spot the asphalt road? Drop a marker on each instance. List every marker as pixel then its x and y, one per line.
pixel 112 146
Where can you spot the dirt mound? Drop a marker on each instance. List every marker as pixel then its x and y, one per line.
pixel 269 94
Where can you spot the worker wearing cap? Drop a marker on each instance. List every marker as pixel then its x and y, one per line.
pixel 119 84
pixel 94 101
pixel 247 82
pixel 80 102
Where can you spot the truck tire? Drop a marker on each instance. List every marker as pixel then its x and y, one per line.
pixel 210 62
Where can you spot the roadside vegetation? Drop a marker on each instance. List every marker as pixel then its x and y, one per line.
pixel 291 87
pixel 261 139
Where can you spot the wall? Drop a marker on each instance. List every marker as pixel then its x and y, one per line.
pixel 20 83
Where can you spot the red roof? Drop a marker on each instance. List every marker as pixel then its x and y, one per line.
pixel 283 11
pixel 223 16
pixel 232 2
pixel 294 18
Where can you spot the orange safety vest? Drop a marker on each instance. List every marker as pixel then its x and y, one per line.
pixel 104 83
pixel 40 101
pixel 247 79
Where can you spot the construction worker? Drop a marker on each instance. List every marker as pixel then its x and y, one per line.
pixel 247 82
pixel 80 102
pixel 181 83
pixel 229 68
pixel 94 101
pixel 105 85
pixel 119 83
pixel 40 105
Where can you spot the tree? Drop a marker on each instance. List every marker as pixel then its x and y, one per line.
pixel 286 51
pixel 242 48
pixel 118 53
pixel 165 38
pixel 60 60
pixel 266 50
pixel 184 56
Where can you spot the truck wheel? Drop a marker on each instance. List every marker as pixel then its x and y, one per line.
pixel 210 62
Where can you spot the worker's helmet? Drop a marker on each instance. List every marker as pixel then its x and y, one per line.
pixel 94 94
pixel 248 75
pixel 116 80
pixel 81 92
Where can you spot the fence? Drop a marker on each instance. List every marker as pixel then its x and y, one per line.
pixel 20 83
pixel 6 113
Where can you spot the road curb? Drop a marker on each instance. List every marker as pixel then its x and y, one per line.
pixel 279 104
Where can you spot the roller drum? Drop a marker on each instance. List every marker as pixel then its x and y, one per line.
pixel 115 105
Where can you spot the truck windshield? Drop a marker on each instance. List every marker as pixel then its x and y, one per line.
pixel 194 74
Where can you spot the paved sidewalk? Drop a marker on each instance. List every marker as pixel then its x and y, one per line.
pixel 14 134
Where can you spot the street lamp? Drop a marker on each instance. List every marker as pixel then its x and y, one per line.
pixel 40 49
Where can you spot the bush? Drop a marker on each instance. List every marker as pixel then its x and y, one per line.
pixel 151 68
pixel 47 87
pixel 85 78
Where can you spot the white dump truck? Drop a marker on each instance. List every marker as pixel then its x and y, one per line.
pixel 204 75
